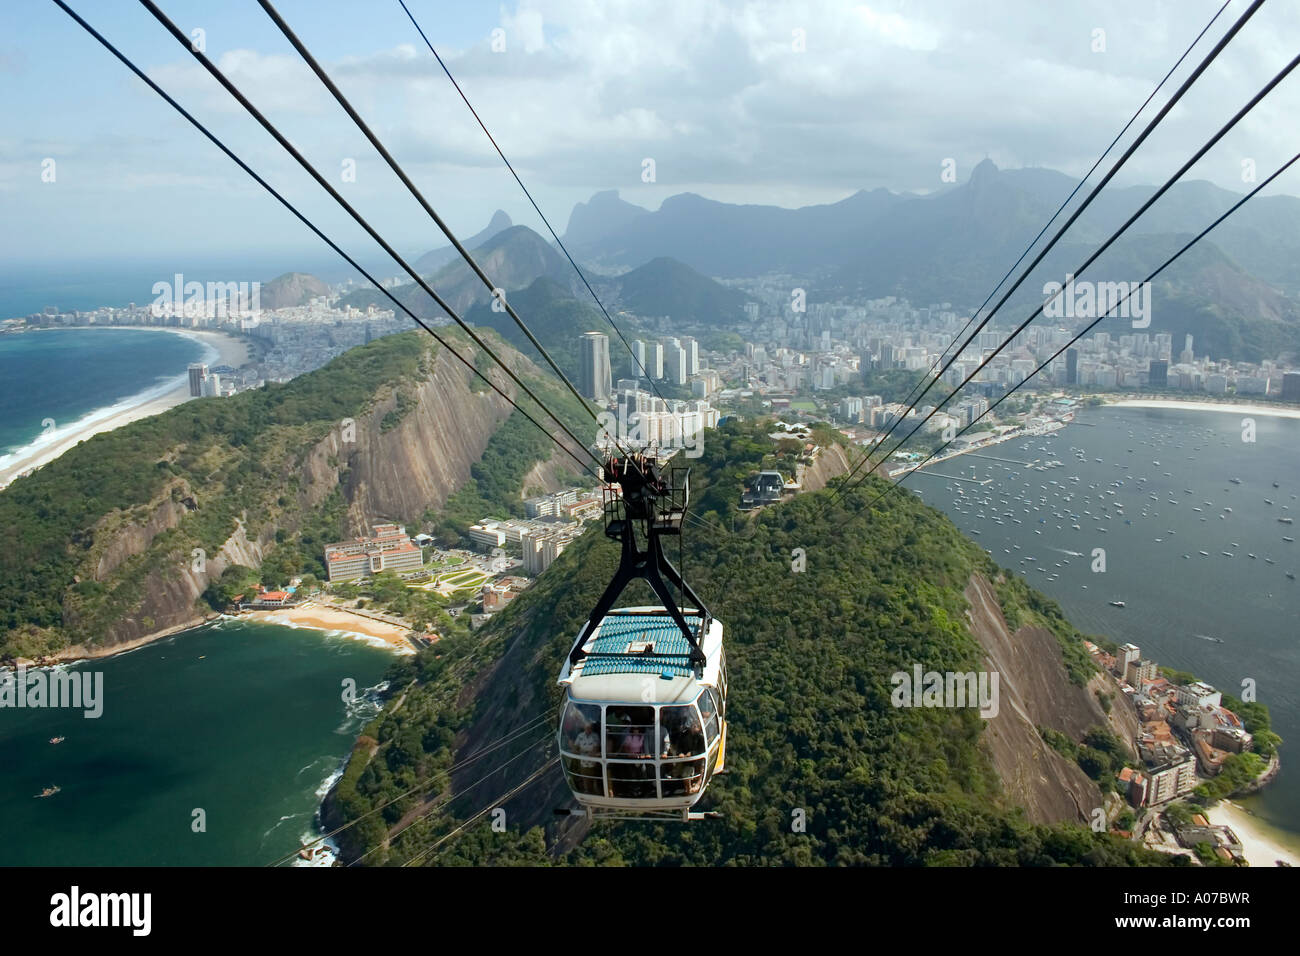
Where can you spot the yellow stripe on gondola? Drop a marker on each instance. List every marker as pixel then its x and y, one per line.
pixel 722 751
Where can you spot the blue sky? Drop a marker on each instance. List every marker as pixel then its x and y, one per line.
pixel 716 92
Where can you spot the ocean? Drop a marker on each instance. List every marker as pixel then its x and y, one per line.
pixel 244 722
pixel 1228 615
pixel 53 381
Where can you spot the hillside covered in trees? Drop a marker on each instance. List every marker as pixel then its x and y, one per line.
pixel 813 734
pixel 151 525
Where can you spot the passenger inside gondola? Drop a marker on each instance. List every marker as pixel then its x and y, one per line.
pixel 627 731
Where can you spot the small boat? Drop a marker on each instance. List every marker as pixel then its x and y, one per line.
pixel 1291 575
pixel 57 740
pixel 1288 540
pixel 1117 604
pixel 1235 481
pixel 48 792
pixel 1286 520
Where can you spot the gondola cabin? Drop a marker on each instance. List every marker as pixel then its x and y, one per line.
pixel 643 729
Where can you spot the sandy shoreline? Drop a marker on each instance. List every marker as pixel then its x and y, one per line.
pixel 322 617
pixel 1208 407
pixel 1262 846
pixel 229 351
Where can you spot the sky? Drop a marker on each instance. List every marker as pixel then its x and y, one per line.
pixel 789 103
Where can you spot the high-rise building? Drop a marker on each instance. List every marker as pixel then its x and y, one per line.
pixel 692 349
pixel 1291 387
pixel 198 372
pixel 1158 374
pixel 675 364
pixel 594 373
pixel 1071 366
pixel 656 356
pixel 638 359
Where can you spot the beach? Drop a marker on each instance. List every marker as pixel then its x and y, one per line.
pixel 1260 844
pixel 1243 409
pixel 323 617
pixel 222 350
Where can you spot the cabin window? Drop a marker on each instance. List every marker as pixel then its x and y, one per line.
pixel 580 736
pixel 581 729
pixel 632 780
pixel 681 777
pixel 709 711
pixel 630 732
pixel 680 732
pixel 585 776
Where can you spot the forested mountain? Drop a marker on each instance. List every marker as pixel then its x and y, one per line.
pixel 125 534
pixel 812 726
pixel 435 259
pixel 513 259
pixel 667 287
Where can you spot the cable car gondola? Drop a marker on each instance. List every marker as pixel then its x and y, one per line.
pixel 643 728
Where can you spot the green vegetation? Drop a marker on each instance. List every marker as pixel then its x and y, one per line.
pixel 1238 771
pixel 209 463
pixel 195 473
pixel 1258 724
pixel 811 723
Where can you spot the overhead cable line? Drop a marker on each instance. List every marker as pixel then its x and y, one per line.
pixel 1086 176
pixel 459 765
pixel 1119 163
pixel 496 293
pixel 536 208
pixel 1168 262
pixel 292 150
pixel 216 141
pixel 419 858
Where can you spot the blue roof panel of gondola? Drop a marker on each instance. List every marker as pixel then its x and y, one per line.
pixel 613 650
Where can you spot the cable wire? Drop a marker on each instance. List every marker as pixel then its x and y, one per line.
pixel 536 208
pixel 1119 163
pixel 396 167
pixel 292 150
pixel 1168 262
pixel 216 141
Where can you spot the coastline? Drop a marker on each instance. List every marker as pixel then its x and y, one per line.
pixel 310 615
pixel 325 617
pixel 222 349
pixel 1261 843
pixel 1276 411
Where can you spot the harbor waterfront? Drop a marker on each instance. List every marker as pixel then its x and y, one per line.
pixel 240 725
pixel 1192 523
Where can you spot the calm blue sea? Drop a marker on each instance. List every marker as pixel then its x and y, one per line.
pixel 65 376
pixel 1199 560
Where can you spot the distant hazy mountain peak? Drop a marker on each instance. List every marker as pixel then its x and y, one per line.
pixel 984 170
pixel 605 212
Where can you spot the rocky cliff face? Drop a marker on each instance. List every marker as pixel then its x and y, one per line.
pixel 1035 691
pixel 402 457
pixel 419 463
